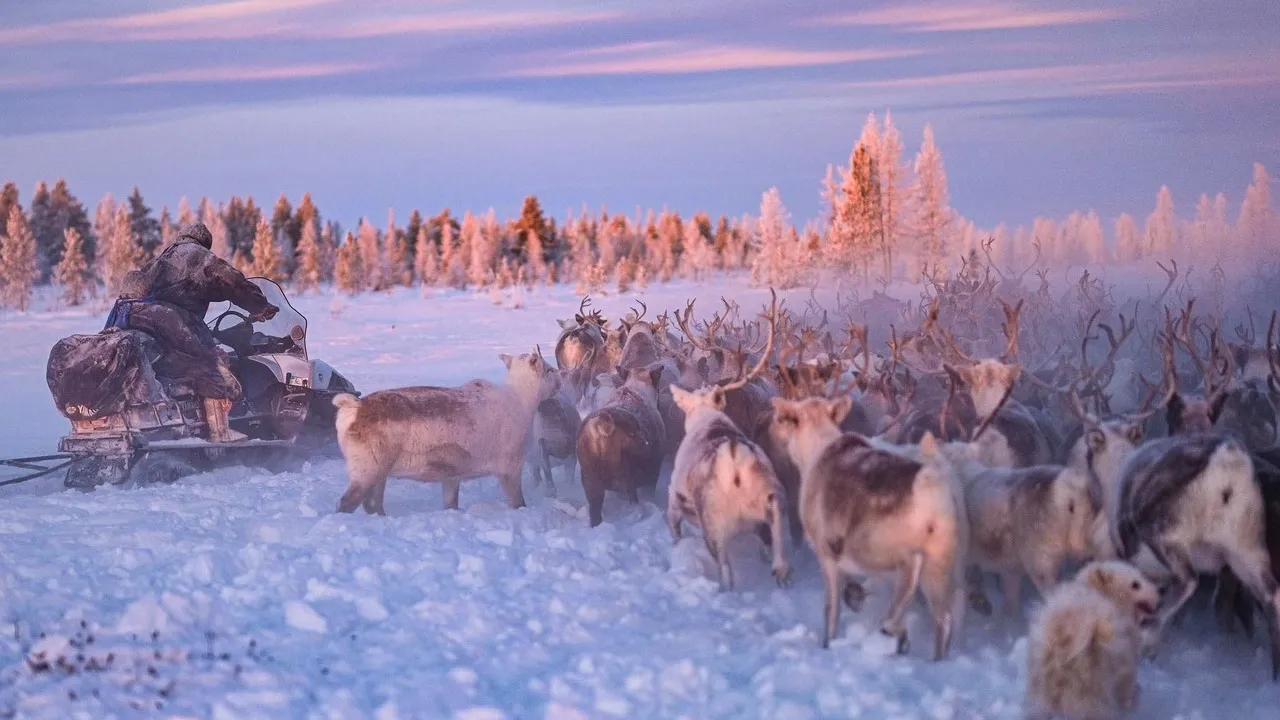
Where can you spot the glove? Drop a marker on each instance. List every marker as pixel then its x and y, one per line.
pixel 266 314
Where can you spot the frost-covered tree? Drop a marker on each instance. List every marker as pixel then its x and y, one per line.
pixel 72 273
pixel 52 212
pixel 1161 227
pixel 241 217
pixel 532 220
pixel 778 259
pixel 482 255
pixel 929 212
pixel 699 259
pixel 328 250
pixel 1128 242
pixel 396 255
pixel 348 275
pixel 268 260
pixel 670 244
pixel 426 260
pixel 579 240
pixel 122 253
pixel 890 168
pixel 370 255
pixel 168 233
pixel 185 215
pixel 8 201
pixel 1091 239
pixel 104 222
pixel 1254 226
pixel 309 266
pixel 19 267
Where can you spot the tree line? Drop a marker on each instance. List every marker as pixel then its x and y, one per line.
pixel 883 220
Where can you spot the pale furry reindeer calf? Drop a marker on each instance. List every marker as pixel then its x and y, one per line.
pixel 1084 644
pixel 1023 522
pixel 444 435
pixel 723 483
pixel 620 446
pixel 1194 502
pixel 871 510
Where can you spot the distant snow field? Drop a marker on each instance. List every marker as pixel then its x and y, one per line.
pixel 241 594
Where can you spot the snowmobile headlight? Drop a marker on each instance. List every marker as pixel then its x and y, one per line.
pixel 296 333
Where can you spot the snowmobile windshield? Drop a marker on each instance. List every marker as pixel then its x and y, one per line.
pixel 288 322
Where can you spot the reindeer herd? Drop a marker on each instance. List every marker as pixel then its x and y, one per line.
pixel 997 437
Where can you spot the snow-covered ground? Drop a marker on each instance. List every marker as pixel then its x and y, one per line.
pixel 239 594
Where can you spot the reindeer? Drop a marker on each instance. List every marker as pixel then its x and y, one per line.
pixel 555 433
pixel 866 509
pixel 443 435
pixel 722 481
pixel 582 340
pixel 620 446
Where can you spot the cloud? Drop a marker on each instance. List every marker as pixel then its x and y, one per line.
pixel 973 16
pixel 1092 79
pixel 288 19
pixel 671 58
pixel 219 21
pixel 244 73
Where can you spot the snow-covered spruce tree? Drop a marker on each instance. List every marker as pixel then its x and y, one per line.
pixel 1209 235
pixel 1128 242
pixel 72 273
pixel 104 222
pixel 890 168
pixel 776 259
pixel 670 244
pixel 1161 228
pixel 8 201
pixel 396 255
pixel 449 257
pixel 185 215
pixel 1255 223
pixel 370 255
pixel 122 253
pixel 1091 239
pixel 492 236
pixel 929 212
pixel 19 267
pixel 348 275
pixel 580 255
pixel 52 212
pixel 308 269
pixel 474 259
pixel 268 262
pixel 328 251
pixel 213 219
pixel 426 260
pixel 624 275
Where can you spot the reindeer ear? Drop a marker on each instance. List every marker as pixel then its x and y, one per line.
pixel 681 397
pixel 1097 576
pixel 928 445
pixel 1173 413
pixel 1134 433
pixel 840 409
pixel 717 397
pixel 655 374
pixel 786 416
pixel 506 360
pixel 1011 374
pixel 579 320
pixel 1217 404
pixel 1096 439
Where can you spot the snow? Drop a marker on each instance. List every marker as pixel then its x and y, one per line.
pixel 240 594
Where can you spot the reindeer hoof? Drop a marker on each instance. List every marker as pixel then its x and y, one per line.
pixel 981 604
pixel 904 646
pixel 782 574
pixel 854 596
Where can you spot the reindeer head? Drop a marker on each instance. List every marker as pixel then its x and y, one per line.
pixel 530 375
pixel 806 426
pixel 704 399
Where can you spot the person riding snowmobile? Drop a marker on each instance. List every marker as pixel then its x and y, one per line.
pixel 170 298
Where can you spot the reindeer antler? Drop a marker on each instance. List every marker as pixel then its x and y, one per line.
pixel 772 317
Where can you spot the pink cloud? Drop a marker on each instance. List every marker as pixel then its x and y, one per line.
pixel 457 22
pixel 669 58
pixel 243 19
pixel 969 16
pixel 238 73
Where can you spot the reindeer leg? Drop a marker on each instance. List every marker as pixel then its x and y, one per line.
pixel 832 579
pixel 721 555
pixel 978 599
pixel 450 489
pixel 1253 568
pixel 1184 578
pixel 1011 584
pixel 546 468
pixel 373 501
pixel 365 475
pixel 908 581
pixel 510 483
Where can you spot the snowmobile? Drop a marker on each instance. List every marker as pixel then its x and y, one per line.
pixel 130 427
